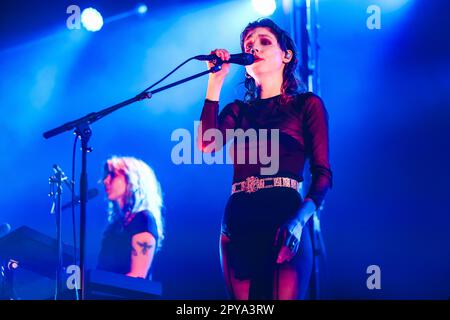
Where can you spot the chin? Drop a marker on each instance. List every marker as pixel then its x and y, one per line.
pixel 112 197
pixel 259 71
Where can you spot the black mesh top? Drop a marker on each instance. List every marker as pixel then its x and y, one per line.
pixel 303 133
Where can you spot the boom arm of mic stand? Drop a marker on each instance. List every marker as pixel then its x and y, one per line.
pixel 95 116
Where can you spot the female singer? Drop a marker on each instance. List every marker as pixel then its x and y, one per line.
pixel 265 245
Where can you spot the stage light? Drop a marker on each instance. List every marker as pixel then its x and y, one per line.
pixel 264 7
pixel 142 8
pixel 91 19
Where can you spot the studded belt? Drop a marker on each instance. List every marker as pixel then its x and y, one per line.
pixel 253 184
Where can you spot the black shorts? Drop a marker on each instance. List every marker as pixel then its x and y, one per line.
pixel 251 221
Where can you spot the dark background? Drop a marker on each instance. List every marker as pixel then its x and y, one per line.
pixel 387 93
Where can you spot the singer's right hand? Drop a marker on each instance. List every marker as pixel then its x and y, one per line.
pixel 219 75
pixel 216 79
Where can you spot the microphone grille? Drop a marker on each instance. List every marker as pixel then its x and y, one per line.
pixel 248 59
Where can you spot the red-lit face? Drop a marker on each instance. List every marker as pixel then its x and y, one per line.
pixel 269 58
pixel 115 184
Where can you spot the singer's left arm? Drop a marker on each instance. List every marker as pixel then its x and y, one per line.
pixel 317 146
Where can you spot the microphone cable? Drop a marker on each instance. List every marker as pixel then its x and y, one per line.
pixel 166 76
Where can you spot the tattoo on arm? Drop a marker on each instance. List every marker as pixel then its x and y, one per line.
pixel 133 251
pixel 145 247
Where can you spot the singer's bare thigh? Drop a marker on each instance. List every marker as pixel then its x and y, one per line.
pixel 237 289
pixel 291 279
pixel 286 282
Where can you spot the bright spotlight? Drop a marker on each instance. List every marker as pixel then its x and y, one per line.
pixel 142 9
pixel 91 19
pixel 264 7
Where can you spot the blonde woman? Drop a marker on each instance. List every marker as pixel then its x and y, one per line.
pixel 135 230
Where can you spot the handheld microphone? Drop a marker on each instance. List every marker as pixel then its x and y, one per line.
pixel 244 59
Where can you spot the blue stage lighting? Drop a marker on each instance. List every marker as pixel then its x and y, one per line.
pixel 264 7
pixel 91 19
pixel 142 8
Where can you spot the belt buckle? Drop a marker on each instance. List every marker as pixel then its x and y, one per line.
pixel 278 182
pixel 251 184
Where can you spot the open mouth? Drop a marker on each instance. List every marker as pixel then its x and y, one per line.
pixel 257 59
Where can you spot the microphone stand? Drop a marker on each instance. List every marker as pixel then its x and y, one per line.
pixel 82 129
pixel 56 194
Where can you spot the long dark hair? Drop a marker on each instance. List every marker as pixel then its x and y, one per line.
pixel 291 84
